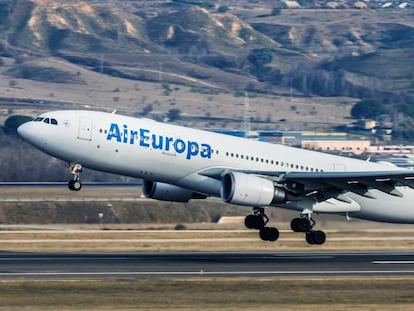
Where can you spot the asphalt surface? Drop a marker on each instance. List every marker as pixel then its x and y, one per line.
pixel 204 264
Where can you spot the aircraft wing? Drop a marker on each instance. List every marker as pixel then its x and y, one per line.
pixel 331 184
pixel 357 182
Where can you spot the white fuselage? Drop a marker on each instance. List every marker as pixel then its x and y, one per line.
pixel 176 155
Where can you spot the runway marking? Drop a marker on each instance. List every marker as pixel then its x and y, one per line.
pixel 394 262
pixel 202 273
pixel 77 259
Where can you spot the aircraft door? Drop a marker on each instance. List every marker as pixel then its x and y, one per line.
pixel 169 144
pixel 85 128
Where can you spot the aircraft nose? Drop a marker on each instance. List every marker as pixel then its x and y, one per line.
pixel 24 130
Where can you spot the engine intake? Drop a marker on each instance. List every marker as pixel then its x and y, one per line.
pixel 250 190
pixel 166 192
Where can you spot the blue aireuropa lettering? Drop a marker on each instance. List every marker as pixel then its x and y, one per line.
pixel 144 138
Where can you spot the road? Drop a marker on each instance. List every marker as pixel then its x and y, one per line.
pixel 201 264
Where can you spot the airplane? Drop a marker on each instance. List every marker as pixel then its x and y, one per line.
pixel 179 163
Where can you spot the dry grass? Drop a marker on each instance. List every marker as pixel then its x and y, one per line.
pixel 210 294
pixel 194 240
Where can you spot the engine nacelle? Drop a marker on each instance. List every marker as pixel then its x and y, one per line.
pixel 250 190
pixel 166 192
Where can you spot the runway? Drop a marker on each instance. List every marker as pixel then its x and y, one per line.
pixel 201 264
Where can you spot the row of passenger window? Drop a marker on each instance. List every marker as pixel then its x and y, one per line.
pixel 251 158
pixel 46 120
pixel 272 162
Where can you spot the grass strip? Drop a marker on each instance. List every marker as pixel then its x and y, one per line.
pixel 209 294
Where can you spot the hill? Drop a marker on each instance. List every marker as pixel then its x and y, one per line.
pixel 154 56
pixel 211 46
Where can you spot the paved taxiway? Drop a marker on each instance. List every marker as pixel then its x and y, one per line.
pixel 196 264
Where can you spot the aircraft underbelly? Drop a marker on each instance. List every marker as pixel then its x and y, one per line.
pixel 201 184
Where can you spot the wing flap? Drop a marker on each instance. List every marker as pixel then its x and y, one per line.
pixel 353 187
pixel 359 182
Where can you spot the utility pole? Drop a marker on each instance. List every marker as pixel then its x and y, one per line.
pixel 246 114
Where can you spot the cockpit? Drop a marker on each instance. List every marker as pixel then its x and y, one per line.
pixel 46 120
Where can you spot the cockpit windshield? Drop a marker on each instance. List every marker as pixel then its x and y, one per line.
pixel 46 120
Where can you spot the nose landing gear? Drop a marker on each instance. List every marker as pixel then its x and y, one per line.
pixel 75 184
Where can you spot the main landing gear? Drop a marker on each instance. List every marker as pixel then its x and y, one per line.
pixel 305 224
pixel 75 184
pixel 259 221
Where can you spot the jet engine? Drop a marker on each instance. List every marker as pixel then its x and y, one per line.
pixel 250 190
pixel 166 192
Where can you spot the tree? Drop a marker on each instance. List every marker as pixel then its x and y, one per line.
pixel 368 109
pixel 146 110
pixel 223 9
pixel 260 57
pixel 174 114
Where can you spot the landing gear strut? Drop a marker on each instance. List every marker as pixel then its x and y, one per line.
pixel 75 184
pixel 259 221
pixel 305 224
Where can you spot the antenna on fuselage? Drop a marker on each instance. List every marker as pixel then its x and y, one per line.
pixel 114 111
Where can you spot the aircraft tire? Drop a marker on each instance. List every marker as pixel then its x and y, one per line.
pixel 295 224
pixel 315 237
pixel 269 234
pixel 304 225
pixel 70 185
pixel 254 222
pixel 319 237
pixel 250 221
pixel 74 185
pixel 310 238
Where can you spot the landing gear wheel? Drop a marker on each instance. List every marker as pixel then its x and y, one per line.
pixel 300 225
pixel 305 224
pixel 259 221
pixel 295 224
pixel 269 234
pixel 75 185
pixel 315 237
pixel 75 169
pixel 310 238
pixel 254 222
pixel 319 237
